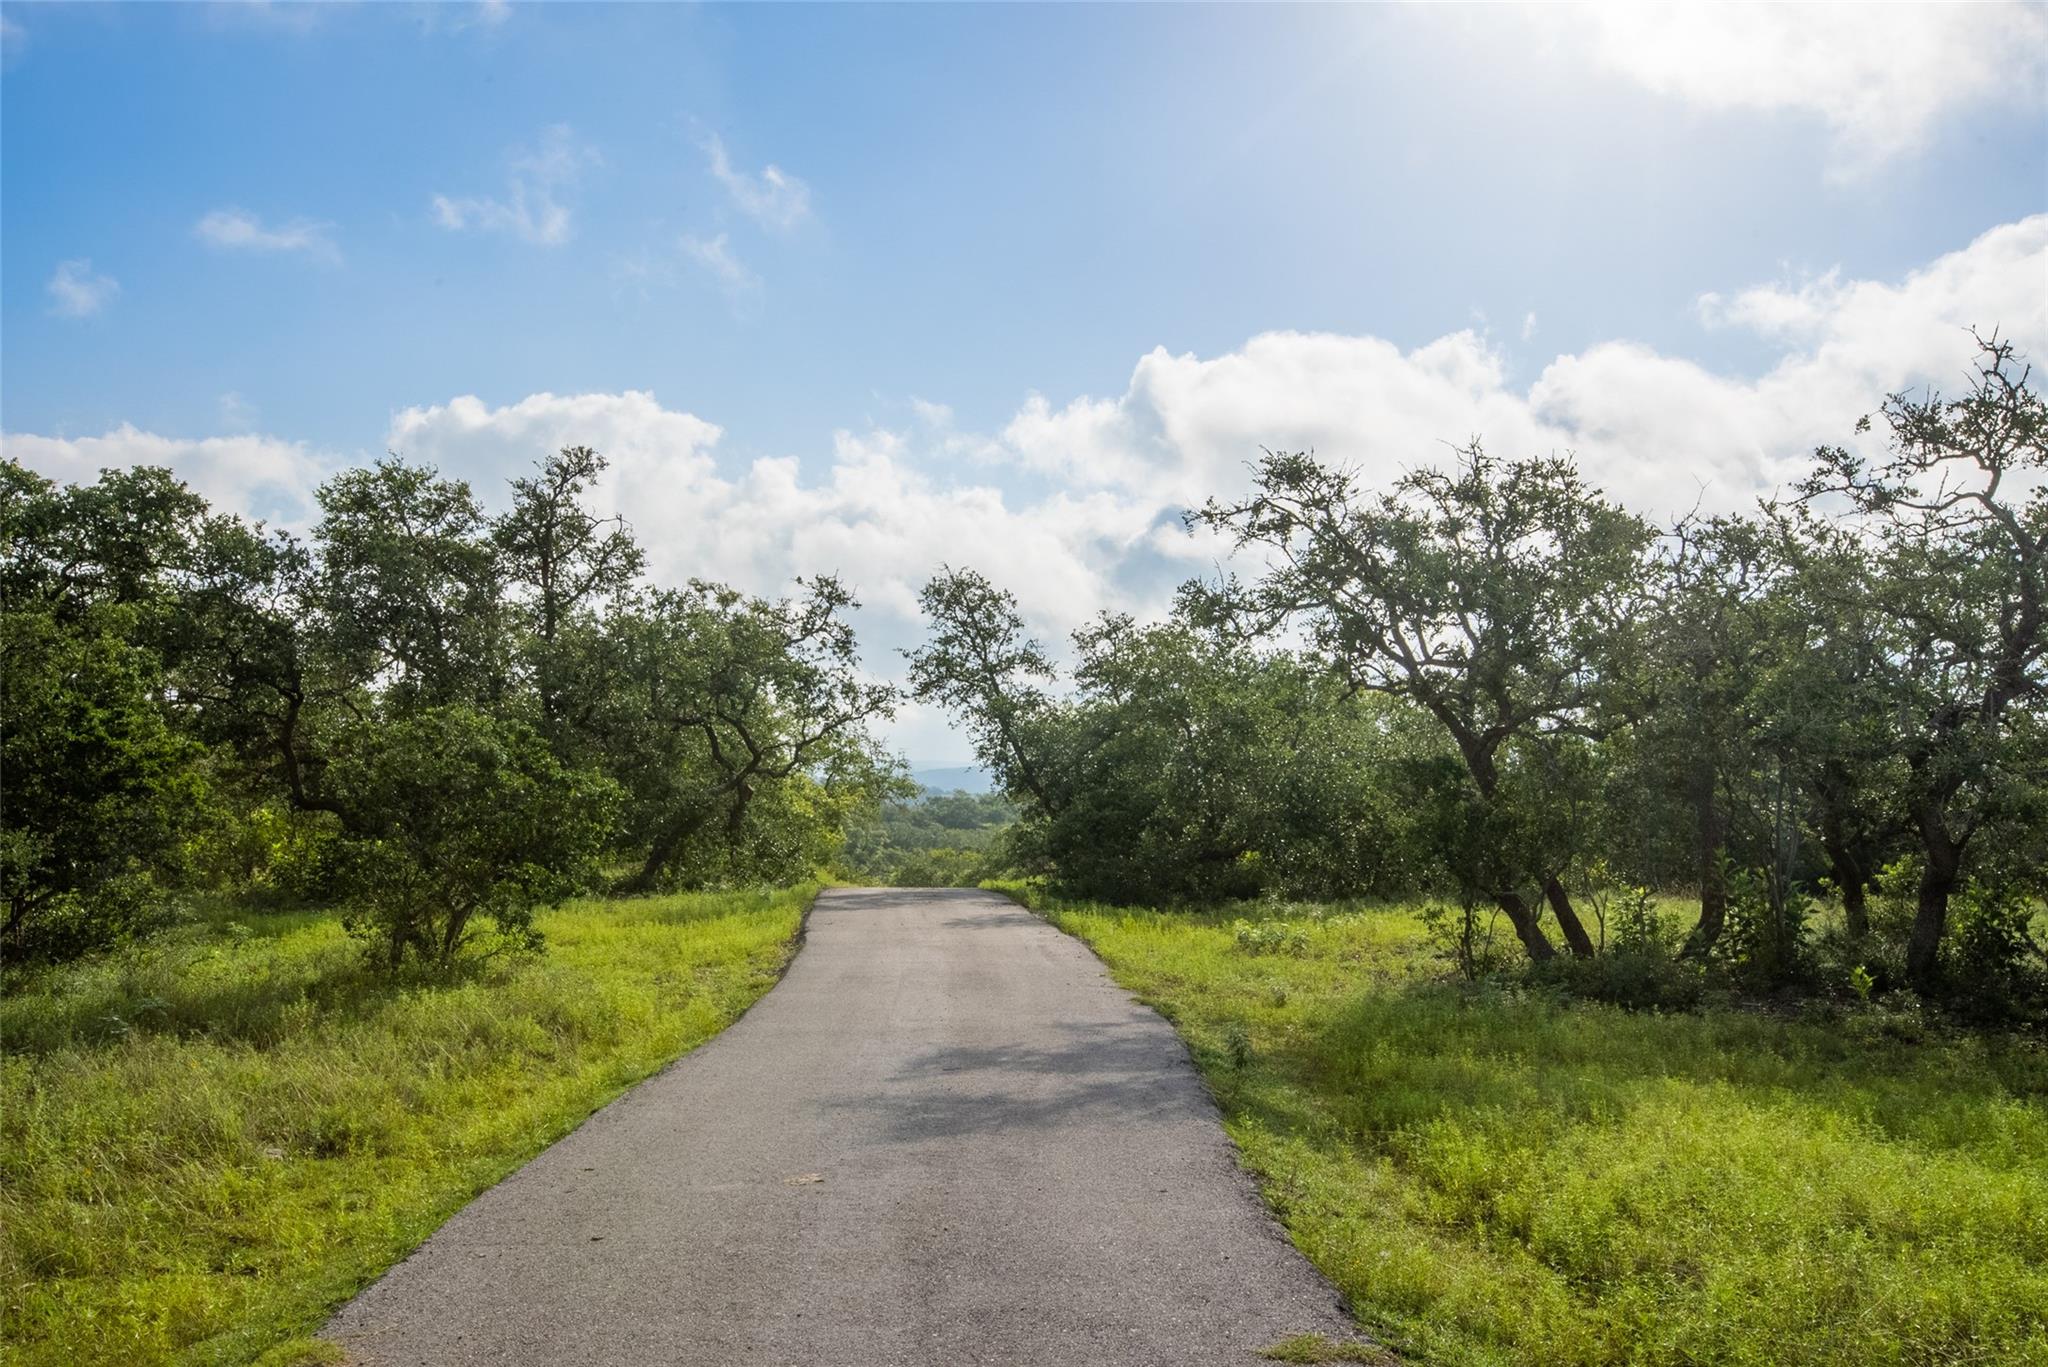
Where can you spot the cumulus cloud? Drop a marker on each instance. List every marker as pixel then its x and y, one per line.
pixel 234 229
pixel 76 292
pixel 773 198
pixel 535 205
pixel 1846 343
pixel 877 514
pixel 1658 431
pixel 256 476
pixel 885 508
pixel 1880 76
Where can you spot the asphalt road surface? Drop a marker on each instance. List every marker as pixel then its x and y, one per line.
pixel 945 1138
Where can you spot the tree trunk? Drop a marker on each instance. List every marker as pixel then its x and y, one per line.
pixel 1526 925
pixel 686 824
pixel 1930 918
pixel 1710 827
pixel 1844 868
pixel 1844 865
pixel 451 938
pixel 1568 919
pixel 18 906
pixel 1855 901
pixel 681 827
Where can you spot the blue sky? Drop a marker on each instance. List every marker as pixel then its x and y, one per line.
pixel 863 288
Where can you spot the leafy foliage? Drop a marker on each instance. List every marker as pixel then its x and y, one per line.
pixel 453 817
pixel 1957 515
pixel 1491 597
pixel 1488 683
pixel 1183 767
pixel 99 785
pixel 447 719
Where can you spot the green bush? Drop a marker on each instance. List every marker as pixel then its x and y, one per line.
pixel 1767 941
pixel 941 868
pixel 1995 962
pixel 99 788
pixel 1269 937
pixel 463 827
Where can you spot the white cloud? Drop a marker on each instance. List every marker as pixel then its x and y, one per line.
pixel 1186 426
pixel 75 292
pixel 1528 326
pixel 715 255
pixel 886 508
pixel 774 198
pixel 234 229
pixel 534 208
pixel 256 476
pixel 1654 429
pixel 877 514
pixel 1880 76
pixel 1774 310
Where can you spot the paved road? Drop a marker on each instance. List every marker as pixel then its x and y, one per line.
pixel 945 1138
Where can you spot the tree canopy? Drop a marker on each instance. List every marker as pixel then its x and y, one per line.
pixel 1488 682
pixel 443 719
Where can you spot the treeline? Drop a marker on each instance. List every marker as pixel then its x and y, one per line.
pixel 933 839
pixel 440 719
pixel 1490 684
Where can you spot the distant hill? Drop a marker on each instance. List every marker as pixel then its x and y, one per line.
pixel 966 778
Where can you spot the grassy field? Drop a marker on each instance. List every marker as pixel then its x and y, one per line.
pixel 1498 1178
pixel 209 1141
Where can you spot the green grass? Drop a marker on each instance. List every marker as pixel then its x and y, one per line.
pixel 1316 1348
pixel 209 1141
pixel 1498 1177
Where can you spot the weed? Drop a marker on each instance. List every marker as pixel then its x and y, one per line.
pixel 1269 937
pixel 1237 1045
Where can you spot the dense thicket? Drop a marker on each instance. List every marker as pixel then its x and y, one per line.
pixel 1492 684
pixel 443 719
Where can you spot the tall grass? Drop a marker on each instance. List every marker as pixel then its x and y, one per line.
pixel 210 1140
pixel 1496 1177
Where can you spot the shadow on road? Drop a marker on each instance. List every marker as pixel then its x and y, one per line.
pixel 1112 1075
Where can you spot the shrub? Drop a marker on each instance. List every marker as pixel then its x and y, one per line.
pixel 1460 937
pixel 1995 967
pixel 1767 940
pixel 456 816
pixel 99 787
pixel 1269 937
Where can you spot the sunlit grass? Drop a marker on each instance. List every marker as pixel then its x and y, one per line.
pixel 1495 1177
pixel 213 1139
